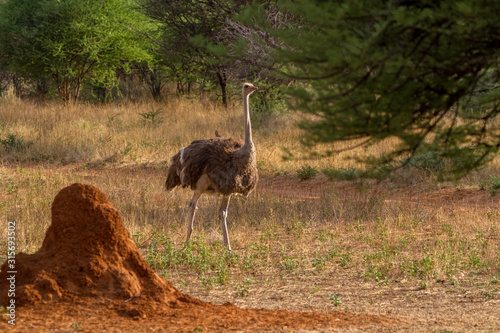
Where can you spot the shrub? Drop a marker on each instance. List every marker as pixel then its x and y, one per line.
pixel 306 172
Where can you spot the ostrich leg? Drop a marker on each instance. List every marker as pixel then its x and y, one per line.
pixel 192 211
pixel 222 216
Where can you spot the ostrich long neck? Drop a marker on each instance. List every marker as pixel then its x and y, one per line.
pixel 248 124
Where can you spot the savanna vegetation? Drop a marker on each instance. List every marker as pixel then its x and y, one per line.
pixel 391 205
pixel 314 235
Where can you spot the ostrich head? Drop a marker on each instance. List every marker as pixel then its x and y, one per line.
pixel 248 88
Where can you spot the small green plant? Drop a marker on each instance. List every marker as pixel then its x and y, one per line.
pixel 494 185
pixel 181 285
pixel 307 172
pixel 423 285
pixel 12 142
pixel 137 236
pixel 492 214
pixel 151 116
pixel 243 288
pixel 9 186
pixel 297 228
pixel 324 235
pixel 333 253
pixel 319 262
pixel 211 263
pixel 270 232
pixel 335 299
pixel 260 251
pixel 289 264
pixel 359 227
pixel 487 295
pixel 129 148
pixel 208 282
pixel 222 272
pixel 475 260
pixel 249 262
pixel 419 268
pixel 345 259
pixel 378 273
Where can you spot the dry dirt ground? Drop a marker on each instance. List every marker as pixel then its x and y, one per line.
pixel 441 308
pixel 115 305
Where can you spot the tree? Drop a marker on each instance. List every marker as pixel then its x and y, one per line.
pixel 154 71
pixel 189 26
pixel 198 36
pixel 424 72
pixel 203 40
pixel 70 41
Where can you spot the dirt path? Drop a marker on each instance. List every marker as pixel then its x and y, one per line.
pixel 442 196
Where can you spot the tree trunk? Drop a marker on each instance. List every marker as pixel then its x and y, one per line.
pixel 18 86
pixel 221 76
pixel 78 85
pixel 155 84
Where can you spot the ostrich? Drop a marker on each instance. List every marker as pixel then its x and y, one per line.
pixel 222 166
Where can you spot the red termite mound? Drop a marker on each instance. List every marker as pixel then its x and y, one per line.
pixel 88 267
pixel 86 252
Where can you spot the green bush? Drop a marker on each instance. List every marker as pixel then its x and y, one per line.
pixel 306 172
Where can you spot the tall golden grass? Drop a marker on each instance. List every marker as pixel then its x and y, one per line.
pixel 90 133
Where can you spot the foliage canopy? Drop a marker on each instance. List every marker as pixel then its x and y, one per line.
pixel 70 41
pixel 424 72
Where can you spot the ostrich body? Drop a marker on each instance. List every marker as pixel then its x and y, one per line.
pixel 222 166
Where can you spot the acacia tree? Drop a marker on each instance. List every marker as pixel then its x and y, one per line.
pixel 189 26
pixel 154 71
pixel 198 38
pixel 70 41
pixel 424 72
pixel 203 40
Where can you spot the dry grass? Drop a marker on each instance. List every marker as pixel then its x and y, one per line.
pixel 86 133
pixel 289 240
